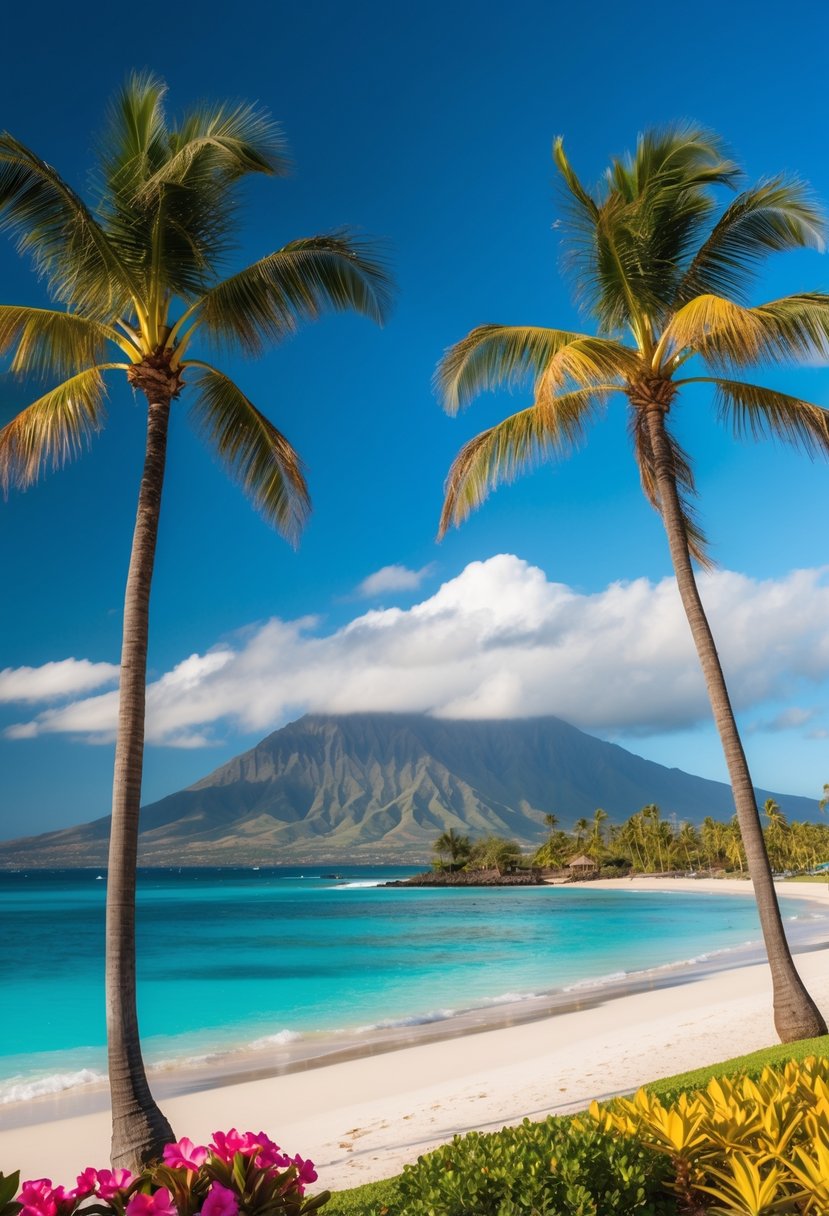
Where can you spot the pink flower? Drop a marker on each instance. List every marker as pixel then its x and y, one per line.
pixel 160 1203
pixel 305 1169
pixel 38 1198
pixel 110 1182
pixel 184 1155
pixel 86 1183
pixel 227 1144
pixel 220 1201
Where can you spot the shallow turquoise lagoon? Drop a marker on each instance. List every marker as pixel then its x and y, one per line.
pixel 231 958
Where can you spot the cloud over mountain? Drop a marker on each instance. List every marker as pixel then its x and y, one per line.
pixel 499 640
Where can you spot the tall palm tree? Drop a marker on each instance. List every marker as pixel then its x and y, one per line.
pixel 664 276
pixel 140 273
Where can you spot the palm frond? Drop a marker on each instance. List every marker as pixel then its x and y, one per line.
pixel 627 244
pixel 585 362
pixel 713 327
pixel 771 217
pixel 684 475
pixel 727 335
pixel 256 454
pixel 55 227
pixel 135 143
pixel 54 428
pixel 495 355
pixel 296 283
pixel 54 343
pixel 224 142
pixel 545 430
pixel 765 413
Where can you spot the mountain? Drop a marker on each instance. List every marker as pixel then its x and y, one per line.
pixel 381 787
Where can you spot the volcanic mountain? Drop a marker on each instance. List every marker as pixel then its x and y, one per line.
pixel 382 787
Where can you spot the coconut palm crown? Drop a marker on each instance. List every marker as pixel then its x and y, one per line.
pixel 664 273
pixel 139 285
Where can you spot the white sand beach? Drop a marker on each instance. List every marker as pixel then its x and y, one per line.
pixel 363 1119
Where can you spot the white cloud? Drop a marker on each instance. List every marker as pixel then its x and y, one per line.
pixel 392 578
pixel 499 640
pixel 54 681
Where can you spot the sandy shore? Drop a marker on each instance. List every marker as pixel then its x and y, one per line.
pixel 363 1119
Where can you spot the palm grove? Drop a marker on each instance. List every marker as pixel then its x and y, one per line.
pixel 137 286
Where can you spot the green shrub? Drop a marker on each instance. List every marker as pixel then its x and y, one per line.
pixel 372 1199
pixel 554 1168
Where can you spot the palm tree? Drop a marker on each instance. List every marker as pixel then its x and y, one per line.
pixel 664 277
pixel 580 828
pixel 456 848
pixel 140 273
pixel 597 832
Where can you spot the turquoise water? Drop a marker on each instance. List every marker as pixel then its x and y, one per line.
pixel 233 958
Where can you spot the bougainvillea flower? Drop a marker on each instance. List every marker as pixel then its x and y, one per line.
pixel 185 1155
pixel 220 1201
pixel 160 1203
pixel 110 1182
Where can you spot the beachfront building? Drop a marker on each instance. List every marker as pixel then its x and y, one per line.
pixel 581 866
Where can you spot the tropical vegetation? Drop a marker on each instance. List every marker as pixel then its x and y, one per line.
pixel 665 275
pixel 648 843
pixel 138 284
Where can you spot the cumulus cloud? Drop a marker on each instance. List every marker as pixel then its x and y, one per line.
pixel 54 681
pixel 499 640
pixel 392 578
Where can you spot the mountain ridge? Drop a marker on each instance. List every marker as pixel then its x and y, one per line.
pixel 381 787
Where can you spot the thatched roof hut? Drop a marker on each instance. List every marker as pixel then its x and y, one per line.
pixel 581 864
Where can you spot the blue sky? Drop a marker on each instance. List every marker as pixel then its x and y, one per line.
pixel 429 126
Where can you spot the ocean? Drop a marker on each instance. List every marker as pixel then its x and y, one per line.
pixel 257 961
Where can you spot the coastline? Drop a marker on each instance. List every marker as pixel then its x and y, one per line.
pixel 360 1114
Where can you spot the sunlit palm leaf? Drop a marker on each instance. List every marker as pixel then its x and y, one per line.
pixel 684 475
pixel 65 241
pixel 46 342
pixel 495 355
pixel 521 441
pixel 267 300
pixel 770 217
pixel 713 327
pixel 585 362
pixel 54 428
pixel 728 335
pixel 763 412
pixel 256 454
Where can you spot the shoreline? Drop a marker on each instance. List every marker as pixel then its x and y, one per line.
pixel 350 1107
pixel 222 1066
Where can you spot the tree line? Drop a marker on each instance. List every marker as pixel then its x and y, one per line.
pixel 645 843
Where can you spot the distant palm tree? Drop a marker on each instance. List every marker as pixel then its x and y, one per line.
pixel 580 829
pixel 141 273
pixel 664 277
pixel 600 817
pixel 551 821
pixel 454 846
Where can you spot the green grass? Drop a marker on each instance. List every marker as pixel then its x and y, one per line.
pixel 751 1066
pixel 374 1198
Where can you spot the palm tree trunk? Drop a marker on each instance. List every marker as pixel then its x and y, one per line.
pixel 139 1129
pixel 795 1014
